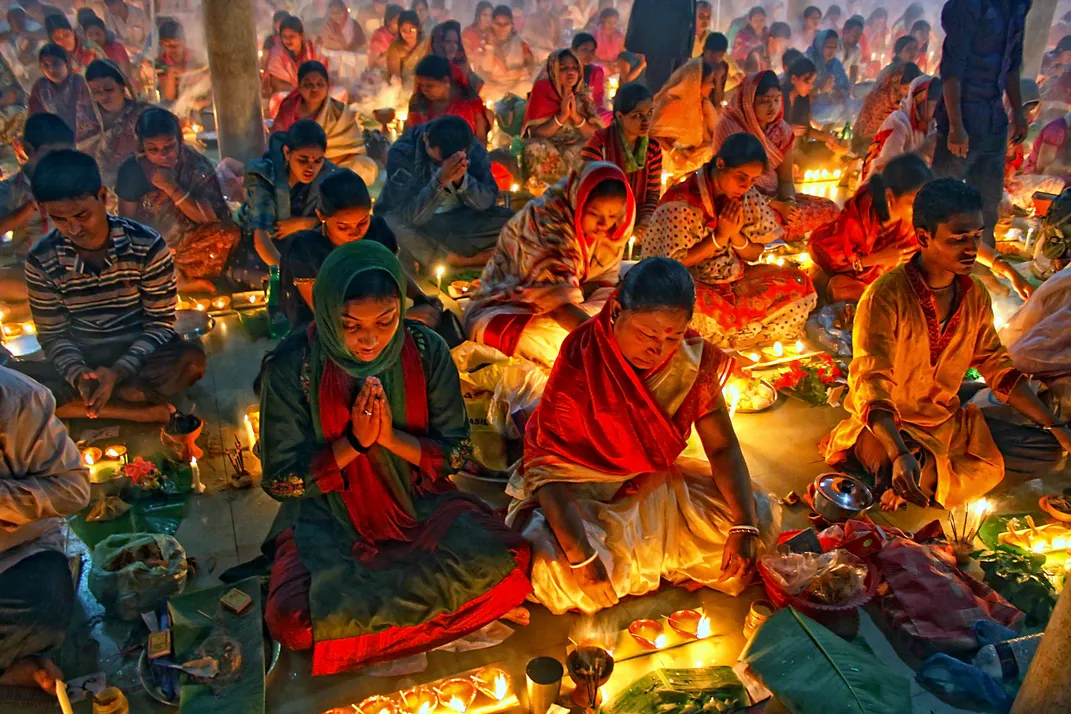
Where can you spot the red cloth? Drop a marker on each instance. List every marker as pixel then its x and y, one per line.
pixel 856 233
pixel 287 115
pixel 646 184
pixel 116 53
pixel 465 104
pixel 746 42
pixel 543 102
pixel 598 413
pixel 928 600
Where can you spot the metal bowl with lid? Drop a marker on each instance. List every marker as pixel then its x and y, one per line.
pixel 838 497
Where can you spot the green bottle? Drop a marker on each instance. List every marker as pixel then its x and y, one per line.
pixel 278 326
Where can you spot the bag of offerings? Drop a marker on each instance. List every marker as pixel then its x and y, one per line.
pixel 133 573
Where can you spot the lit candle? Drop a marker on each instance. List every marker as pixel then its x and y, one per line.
pixel 29 328
pixel 9 236
pixel 439 272
pixel 754 357
pixel 778 349
pixel 456 704
pixel 197 485
pixel 1 327
pixel 249 435
pixel 501 687
pixel 660 642
pixel 665 178
pixel 702 630
pixel 514 188
pixel 64 700
pixel 799 347
pixel 631 245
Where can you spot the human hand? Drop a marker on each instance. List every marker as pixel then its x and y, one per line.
pixel 738 556
pixel 381 412
pixel 730 220
pixel 958 142
pixel 453 168
pixel 289 226
pixel 799 130
pixel 1063 436
pixel 1020 285
pixel 1019 128
pixel 906 473
pixel 595 582
pixel 892 256
pixel 789 211
pixel 364 422
pixel 100 391
pixel 426 314
pixel 164 180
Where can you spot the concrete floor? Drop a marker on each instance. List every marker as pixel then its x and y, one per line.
pixel 225 527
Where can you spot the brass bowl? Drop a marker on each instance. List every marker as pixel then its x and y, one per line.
pixel 686 622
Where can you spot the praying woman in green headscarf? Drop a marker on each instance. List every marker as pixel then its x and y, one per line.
pixel 376 554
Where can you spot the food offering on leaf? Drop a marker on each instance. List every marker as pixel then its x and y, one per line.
pixel 810 380
pixel 147 476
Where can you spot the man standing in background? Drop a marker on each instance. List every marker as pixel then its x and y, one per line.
pixel 664 32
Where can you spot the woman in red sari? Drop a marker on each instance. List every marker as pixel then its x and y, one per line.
pixel 65 93
pixel 751 37
pixel 286 58
pixel 717 224
pixel 604 496
pixel 376 554
pixel 625 143
pixel 442 89
pixel 478 34
pixel 874 233
pixel 757 109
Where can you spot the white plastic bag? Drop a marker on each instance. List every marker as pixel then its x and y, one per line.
pixel 133 573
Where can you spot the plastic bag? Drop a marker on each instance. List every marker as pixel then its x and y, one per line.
pixel 831 328
pixel 516 385
pixel 136 572
pixel 107 509
pixel 831 578
pixel 1038 340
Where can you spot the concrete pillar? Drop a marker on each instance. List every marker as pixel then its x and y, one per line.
pixel 1036 35
pixel 231 37
pixel 1047 688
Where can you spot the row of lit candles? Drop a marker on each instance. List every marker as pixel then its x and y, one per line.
pixel 252 298
pixel 651 634
pixel 92 455
pixel 452 695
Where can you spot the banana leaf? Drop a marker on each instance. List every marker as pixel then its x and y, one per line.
pixel 813 671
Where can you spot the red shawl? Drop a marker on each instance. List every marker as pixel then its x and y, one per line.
pixel 856 233
pixel 545 99
pixel 598 413
pixel 287 115
pixel 421 110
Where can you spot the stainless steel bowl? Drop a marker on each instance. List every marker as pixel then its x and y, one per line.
pixel 838 497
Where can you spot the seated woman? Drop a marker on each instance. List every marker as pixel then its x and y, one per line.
pixel 506 61
pixel 376 553
pixel 13 102
pixel 832 88
pixel 609 40
pixel 180 74
pixel 751 36
pixel 555 264
pixel 796 91
pixel 442 89
pixel 757 110
pixel 478 34
pixel 312 100
pixel 873 233
pixel 906 130
pixel 119 110
pixel 345 217
pixel 716 223
pixel 173 189
pixel 626 145
pixel 881 101
pixel 79 51
pixel 383 37
pixel 407 49
pixel 341 33
pixel 559 117
pixel 282 189
pixel 1050 154
pixel 586 48
pixel 1020 184
pixel 685 115
pixel 611 518
pixel 64 93
pixel 763 58
pixel 97 34
pixel 286 59
pixel 446 43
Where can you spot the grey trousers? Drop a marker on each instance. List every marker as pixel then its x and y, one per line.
pixel 36 602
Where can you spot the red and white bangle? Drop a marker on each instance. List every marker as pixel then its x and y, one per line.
pixel 750 530
pixel 589 561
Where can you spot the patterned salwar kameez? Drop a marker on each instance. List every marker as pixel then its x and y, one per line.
pixel 737 305
pixel 616 436
pixel 380 559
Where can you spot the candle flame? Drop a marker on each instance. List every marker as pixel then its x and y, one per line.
pixel 456 704
pixel 29 328
pixel 220 303
pixel 981 507
pixel 515 188
pixel 193 461
pixel 425 708
pixel 1039 546
pixel 439 272
pixel 665 178
pixel 799 346
pixel 89 459
pixel 8 330
pixel 1059 543
pixel 778 349
pixel 702 630
pixel 660 641
pixel 111 453
pixel 252 298
pixel 733 393
pixel 199 307
pixel 501 687
pixel 754 357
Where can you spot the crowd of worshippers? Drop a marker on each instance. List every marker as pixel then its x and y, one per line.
pixel 362 415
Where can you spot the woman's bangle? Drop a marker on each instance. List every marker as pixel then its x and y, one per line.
pixel 857 265
pixel 558 122
pixel 732 243
pixel 184 197
pixel 750 530
pixel 589 561
pixel 354 442
pixel 1053 427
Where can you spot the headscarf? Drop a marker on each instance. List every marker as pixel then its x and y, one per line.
pixel 678 106
pixel 912 109
pixel 880 102
pixel 437 47
pixel 816 53
pixel 546 97
pixel 777 138
pixel 344 266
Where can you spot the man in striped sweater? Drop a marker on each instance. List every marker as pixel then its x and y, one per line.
pixel 103 294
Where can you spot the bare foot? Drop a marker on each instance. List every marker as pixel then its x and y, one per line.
pixel 518 616
pixel 891 502
pixel 32 672
pixel 121 411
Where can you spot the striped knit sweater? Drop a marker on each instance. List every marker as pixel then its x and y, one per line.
pixel 129 304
